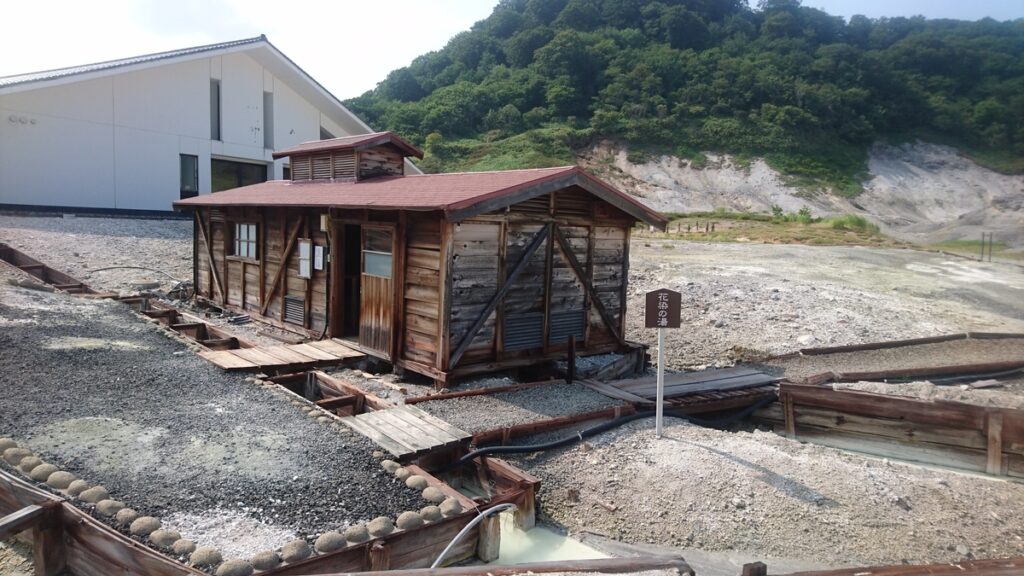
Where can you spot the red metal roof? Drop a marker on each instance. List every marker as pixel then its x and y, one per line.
pixel 358 142
pixel 459 195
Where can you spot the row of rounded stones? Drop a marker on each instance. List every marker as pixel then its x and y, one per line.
pixel 141 526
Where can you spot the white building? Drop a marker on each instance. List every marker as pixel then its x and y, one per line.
pixel 140 133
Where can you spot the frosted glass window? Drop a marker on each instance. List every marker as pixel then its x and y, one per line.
pixel 305 256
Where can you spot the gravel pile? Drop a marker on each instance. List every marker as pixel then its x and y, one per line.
pixel 490 411
pixel 759 492
pixel 747 301
pixel 920 356
pixel 103 394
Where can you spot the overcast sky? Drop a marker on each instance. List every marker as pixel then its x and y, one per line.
pixel 348 46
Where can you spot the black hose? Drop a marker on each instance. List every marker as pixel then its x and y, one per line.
pixel 609 425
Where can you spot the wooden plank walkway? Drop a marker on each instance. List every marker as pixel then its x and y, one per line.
pixel 291 356
pixel 692 383
pixel 406 431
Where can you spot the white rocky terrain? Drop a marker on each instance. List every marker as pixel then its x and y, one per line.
pixel 920 192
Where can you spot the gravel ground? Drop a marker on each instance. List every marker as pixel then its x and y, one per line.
pixel 920 356
pixel 15 559
pixel 488 412
pixel 745 301
pixel 931 392
pixel 759 492
pixel 107 396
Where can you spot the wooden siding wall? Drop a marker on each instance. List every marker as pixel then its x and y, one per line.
pixel 250 282
pixel 338 165
pixel 474 281
pixel 381 161
pixel 487 247
pixel 422 291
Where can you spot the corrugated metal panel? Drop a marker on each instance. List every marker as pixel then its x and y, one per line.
pixel 524 331
pixel 295 310
pixel 565 324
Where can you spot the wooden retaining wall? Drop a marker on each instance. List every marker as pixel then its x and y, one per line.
pixel 954 434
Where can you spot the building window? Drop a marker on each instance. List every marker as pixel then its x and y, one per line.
pixel 227 174
pixel 305 259
pixel 377 252
pixel 268 120
pixel 325 134
pixel 245 240
pixel 214 109
pixel 286 172
pixel 189 176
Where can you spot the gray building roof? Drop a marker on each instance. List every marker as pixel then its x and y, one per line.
pixel 110 64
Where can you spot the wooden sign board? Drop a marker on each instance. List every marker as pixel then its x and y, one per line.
pixel 663 309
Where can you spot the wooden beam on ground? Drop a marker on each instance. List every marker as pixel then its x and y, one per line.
pixel 504 434
pixel 602 566
pixel 577 269
pixel 282 267
pixel 499 295
pixel 20 520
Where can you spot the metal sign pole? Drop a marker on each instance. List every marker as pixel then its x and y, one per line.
pixel 659 406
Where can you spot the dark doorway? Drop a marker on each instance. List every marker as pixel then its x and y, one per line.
pixel 351 269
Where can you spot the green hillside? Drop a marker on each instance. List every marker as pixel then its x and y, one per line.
pixel 539 80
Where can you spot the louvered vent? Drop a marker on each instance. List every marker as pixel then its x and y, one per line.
pixel 539 205
pixel 321 167
pixel 216 215
pixel 300 168
pixel 523 331
pixel 565 324
pixel 345 164
pixel 574 203
pixel 295 310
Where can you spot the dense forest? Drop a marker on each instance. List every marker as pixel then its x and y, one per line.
pixel 538 80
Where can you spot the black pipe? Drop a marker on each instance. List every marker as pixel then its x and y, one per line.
pixel 609 425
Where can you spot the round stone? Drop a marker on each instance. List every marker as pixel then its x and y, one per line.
pixel 266 560
pixel 433 494
pixel 6 443
pixel 378 454
pixel 389 466
pixel 431 513
pixel 409 520
pixel 109 507
pixel 60 479
pixel 402 473
pixel 323 420
pixel 94 494
pixel 183 547
pixel 42 472
pixel 28 463
pixel 329 542
pixel 356 534
pixel 125 516
pixel 416 482
pixel 15 455
pixel 451 507
pixel 164 538
pixel 144 526
pixel 380 526
pixel 77 487
pixel 234 568
pixel 314 413
pixel 295 550
pixel 205 556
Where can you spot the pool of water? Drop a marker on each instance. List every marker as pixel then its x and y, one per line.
pixel 540 544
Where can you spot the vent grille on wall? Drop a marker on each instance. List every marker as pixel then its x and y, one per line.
pixel 345 164
pixel 565 324
pixel 295 310
pixel 300 168
pixel 321 168
pixel 523 331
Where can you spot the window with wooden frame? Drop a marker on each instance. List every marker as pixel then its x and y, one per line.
pixel 305 258
pixel 244 244
pixel 377 252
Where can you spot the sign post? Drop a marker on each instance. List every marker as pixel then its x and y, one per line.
pixel 663 309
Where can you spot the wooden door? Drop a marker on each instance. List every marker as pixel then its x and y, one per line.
pixel 377 289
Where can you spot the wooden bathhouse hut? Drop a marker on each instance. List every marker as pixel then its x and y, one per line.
pixel 445 275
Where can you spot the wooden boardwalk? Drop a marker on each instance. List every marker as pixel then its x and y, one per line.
pixel 695 392
pixel 406 431
pixel 292 356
